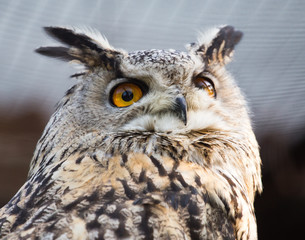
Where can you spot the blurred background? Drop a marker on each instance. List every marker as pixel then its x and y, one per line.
pixel 269 66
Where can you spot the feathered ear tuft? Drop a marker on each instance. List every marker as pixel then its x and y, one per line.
pixel 87 48
pixel 216 46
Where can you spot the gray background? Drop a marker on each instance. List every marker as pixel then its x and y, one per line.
pixel 269 66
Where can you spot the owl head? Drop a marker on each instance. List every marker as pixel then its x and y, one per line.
pixel 164 91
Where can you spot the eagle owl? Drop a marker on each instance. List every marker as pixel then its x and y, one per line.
pixel 152 144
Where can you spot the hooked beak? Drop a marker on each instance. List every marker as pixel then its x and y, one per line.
pixel 180 109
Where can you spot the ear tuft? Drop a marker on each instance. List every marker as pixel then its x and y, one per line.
pixel 86 47
pixel 216 46
pixel 56 52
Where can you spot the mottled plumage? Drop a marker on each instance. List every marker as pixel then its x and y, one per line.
pixel 180 162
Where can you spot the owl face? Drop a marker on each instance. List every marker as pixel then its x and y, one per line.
pixel 158 91
pixel 154 90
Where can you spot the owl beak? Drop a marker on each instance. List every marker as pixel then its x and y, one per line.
pixel 181 109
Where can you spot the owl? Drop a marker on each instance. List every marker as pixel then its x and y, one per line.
pixel 150 144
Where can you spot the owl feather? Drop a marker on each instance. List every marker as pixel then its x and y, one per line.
pixel 152 144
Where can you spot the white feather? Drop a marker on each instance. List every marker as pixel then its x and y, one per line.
pixel 171 123
pixel 206 37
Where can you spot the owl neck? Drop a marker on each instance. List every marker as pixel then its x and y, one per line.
pixel 214 149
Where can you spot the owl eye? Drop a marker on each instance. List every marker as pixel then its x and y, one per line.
pixel 125 94
pixel 205 84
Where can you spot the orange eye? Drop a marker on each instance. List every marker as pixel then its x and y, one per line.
pixel 126 94
pixel 205 84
